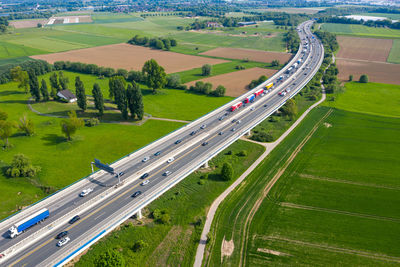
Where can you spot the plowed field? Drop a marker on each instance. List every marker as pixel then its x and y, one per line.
pixel 236 82
pixel 253 55
pixel 130 57
pixel 377 72
pixel 32 23
pixel 370 49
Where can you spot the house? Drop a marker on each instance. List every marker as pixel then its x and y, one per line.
pixel 248 23
pixel 212 24
pixel 67 96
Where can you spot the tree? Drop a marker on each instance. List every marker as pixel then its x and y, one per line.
pixel 363 78
pixel 159 44
pixel 139 246
pixel 290 109
pixel 39 25
pixel 167 44
pixel 275 63
pixel 80 93
pixel 206 70
pixel 155 75
pixel 135 101
pixel 110 258
pixel 118 90
pixel 226 172
pixel 219 91
pixel 113 83
pixel 55 86
pixel 34 86
pixel 98 99
pixel 26 125
pixel 71 125
pixel 3 115
pixel 173 81
pixel 21 167
pixel 350 77
pixel 63 81
pixel 18 75
pixel 6 130
pixel 44 91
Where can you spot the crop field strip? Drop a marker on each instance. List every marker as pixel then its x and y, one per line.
pixel 370 49
pixel 360 30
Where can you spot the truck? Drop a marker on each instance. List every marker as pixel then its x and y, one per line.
pixel 299 61
pixel 24 224
pixel 268 86
pixel 259 92
pixel 249 98
pixel 295 65
pixel 289 69
pixel 236 106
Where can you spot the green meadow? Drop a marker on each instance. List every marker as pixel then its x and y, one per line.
pixel 394 55
pixel 360 30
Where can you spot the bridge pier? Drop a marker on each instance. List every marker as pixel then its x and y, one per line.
pixel 248 133
pixel 139 214
pixel 205 165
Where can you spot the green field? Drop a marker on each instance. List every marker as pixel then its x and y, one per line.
pixel 175 244
pixel 369 98
pixel 337 202
pixel 394 55
pixel 360 30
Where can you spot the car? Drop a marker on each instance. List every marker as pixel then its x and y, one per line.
pixel 226 114
pixel 86 192
pixel 233 129
pixel 221 118
pixel 63 241
pixel 305 73
pixel 74 219
pixel 204 144
pixel 136 193
pixel 145 182
pixel 167 173
pixel 252 108
pixel 234 120
pixel 238 122
pixel 178 141
pixel 157 153
pixel 119 174
pixel 1 255
pixel 265 105
pixel 288 90
pixel 221 133
pixel 203 126
pixel 170 160
pixel 145 159
pixel 193 133
pixel 62 234
pixel 144 175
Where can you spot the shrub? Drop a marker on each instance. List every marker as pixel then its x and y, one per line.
pixel 226 172
pixel 363 78
pixel 92 122
pixel 206 70
pixel 21 167
pixel 262 137
pixel 242 153
pixel 201 182
pixel 139 246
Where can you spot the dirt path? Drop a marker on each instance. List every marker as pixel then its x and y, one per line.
pixel 214 206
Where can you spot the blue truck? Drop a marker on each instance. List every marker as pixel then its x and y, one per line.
pixel 24 224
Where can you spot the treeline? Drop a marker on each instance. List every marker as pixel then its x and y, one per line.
pixel 156 43
pixel 39 67
pixel 328 40
pixel 292 40
pixel 370 23
pixel 35 15
pixel 207 89
pixel 3 24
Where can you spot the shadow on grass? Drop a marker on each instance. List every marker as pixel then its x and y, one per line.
pixel 215 177
pixel 9 92
pixel 13 102
pixel 53 139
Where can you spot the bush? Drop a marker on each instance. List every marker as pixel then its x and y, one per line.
pixel 21 167
pixel 92 122
pixel 363 78
pixel 226 172
pixel 206 70
pixel 262 137
pixel 139 246
pixel 240 67
pixel 161 216
pixel 201 182
pixel 242 153
pixel 350 77
pixel 173 81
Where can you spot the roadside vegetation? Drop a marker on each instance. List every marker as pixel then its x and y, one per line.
pixel 171 230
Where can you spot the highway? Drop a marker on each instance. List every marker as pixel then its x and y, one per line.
pixel 220 128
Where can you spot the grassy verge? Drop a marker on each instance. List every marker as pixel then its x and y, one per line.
pixel 218 69
pixel 175 244
pixel 394 55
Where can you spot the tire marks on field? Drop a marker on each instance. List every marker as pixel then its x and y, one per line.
pixel 341 212
pixel 271 183
pixel 361 253
pixel 333 180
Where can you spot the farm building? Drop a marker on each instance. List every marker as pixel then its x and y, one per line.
pixel 67 96
pixel 247 23
pixel 212 24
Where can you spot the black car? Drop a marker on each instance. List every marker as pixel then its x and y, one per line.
pixel 157 153
pixel 221 133
pixel 178 141
pixel 144 175
pixel 62 234
pixel 193 133
pixel 136 193
pixel 204 144
pixel 73 220
pixel 119 174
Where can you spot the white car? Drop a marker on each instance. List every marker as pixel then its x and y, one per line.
pixel 63 241
pixel 145 182
pixel 203 126
pixel 86 192
pixel 170 160
pixel 145 159
pixel 252 108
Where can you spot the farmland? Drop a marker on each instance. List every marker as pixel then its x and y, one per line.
pixel 370 49
pixel 394 56
pixel 336 199
pixel 360 30
pixel 22 23
pixel 377 72
pixel 254 55
pixel 236 82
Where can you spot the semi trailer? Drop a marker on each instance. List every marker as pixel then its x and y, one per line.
pixel 24 224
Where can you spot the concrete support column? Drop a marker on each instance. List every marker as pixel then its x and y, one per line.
pixel 248 133
pixel 205 165
pixel 139 214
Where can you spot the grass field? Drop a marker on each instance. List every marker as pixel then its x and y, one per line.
pixel 360 30
pixel 336 201
pixel 175 244
pixel 394 55
pixel 368 99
